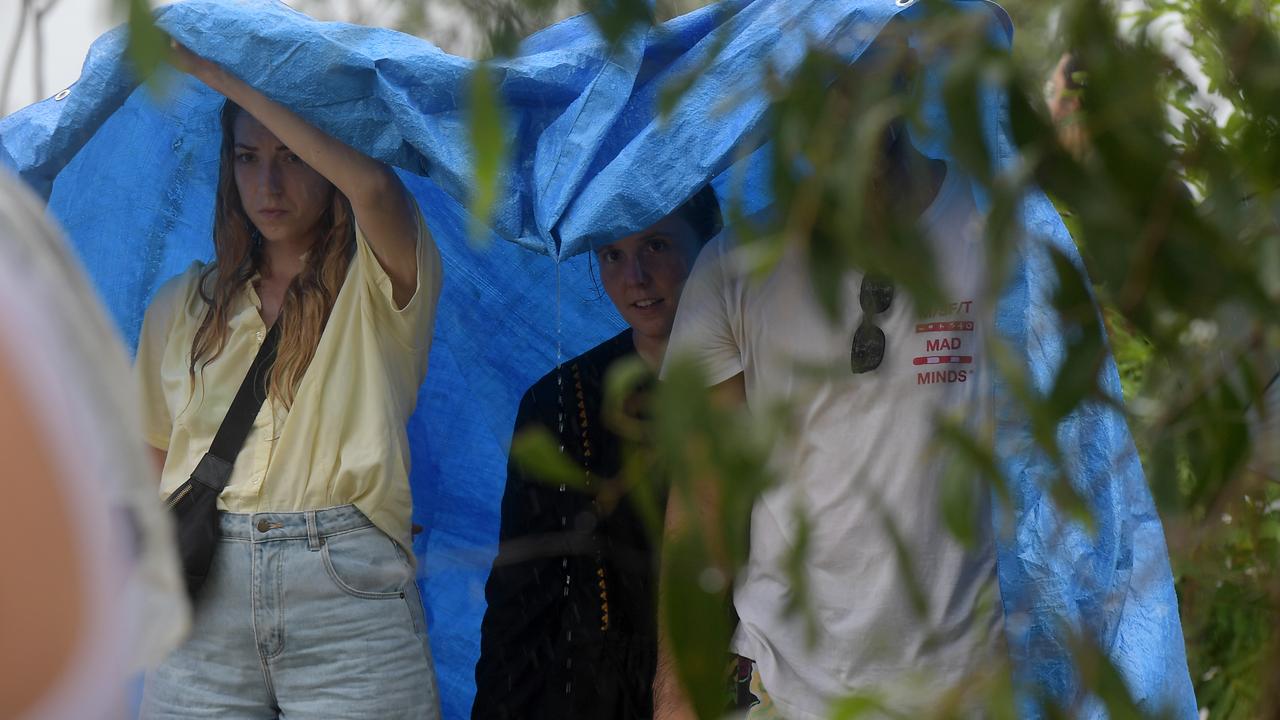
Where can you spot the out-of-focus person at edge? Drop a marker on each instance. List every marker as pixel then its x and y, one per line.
pixel 1065 85
pixel 91 593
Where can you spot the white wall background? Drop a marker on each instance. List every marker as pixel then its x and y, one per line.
pixel 69 28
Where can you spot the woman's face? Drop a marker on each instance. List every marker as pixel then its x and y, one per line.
pixel 644 273
pixel 283 197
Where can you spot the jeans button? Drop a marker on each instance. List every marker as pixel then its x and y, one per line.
pixel 263 526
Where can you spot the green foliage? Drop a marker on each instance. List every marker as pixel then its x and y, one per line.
pixel 1228 587
pixel 715 459
pixel 489 134
pixel 148 47
pixel 538 450
pixel 1175 208
pixel 1194 328
pixel 617 18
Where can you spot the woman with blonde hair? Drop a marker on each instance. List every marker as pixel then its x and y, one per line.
pixel 309 607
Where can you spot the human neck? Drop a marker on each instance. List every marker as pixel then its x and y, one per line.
pixel 650 349
pixel 284 259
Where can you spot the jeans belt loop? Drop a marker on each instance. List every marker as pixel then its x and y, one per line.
pixel 313 532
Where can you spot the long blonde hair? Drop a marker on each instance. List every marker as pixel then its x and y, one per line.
pixel 238 256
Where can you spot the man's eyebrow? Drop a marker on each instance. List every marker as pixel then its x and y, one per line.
pixel 243 146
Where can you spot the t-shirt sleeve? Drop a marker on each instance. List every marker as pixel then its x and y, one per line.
pixel 705 321
pixel 412 323
pixel 157 421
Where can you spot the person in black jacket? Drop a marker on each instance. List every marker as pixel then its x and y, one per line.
pixel 571 625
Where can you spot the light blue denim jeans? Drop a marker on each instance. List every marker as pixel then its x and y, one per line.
pixel 304 615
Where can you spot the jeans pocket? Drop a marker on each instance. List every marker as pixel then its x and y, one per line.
pixel 366 563
pixel 413 604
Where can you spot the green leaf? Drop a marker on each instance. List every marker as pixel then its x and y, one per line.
pixel 906 567
pixel 488 133
pixel 799 601
pixel 1086 349
pixel 537 450
pixel 617 18
pixel 148 46
pixel 698 623
pixel 1100 675
pixel 625 378
pixel 860 706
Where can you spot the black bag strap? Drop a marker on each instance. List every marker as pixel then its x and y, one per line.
pixel 214 469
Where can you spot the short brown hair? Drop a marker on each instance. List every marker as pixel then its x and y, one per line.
pixel 702 213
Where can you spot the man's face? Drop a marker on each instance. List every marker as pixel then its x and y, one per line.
pixel 644 273
pixel 283 197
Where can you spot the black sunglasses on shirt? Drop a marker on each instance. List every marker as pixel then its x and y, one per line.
pixel 875 295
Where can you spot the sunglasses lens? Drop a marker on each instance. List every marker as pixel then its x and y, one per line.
pixel 876 295
pixel 867 350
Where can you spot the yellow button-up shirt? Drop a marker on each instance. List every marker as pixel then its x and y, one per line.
pixel 343 440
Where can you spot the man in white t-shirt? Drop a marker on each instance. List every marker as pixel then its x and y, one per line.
pixel 903 609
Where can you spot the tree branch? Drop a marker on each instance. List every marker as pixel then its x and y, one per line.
pixel 12 61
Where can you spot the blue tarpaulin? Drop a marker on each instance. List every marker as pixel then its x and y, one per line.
pixel 131 178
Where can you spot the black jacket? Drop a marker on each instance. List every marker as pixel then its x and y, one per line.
pixel 571 629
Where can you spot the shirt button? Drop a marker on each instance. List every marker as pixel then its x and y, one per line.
pixel 263 526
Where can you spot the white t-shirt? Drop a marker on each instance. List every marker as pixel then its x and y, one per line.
pixel 862 460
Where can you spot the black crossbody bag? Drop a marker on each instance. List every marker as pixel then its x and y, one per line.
pixel 195 503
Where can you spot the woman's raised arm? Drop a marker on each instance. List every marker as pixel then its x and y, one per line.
pixel 381 203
